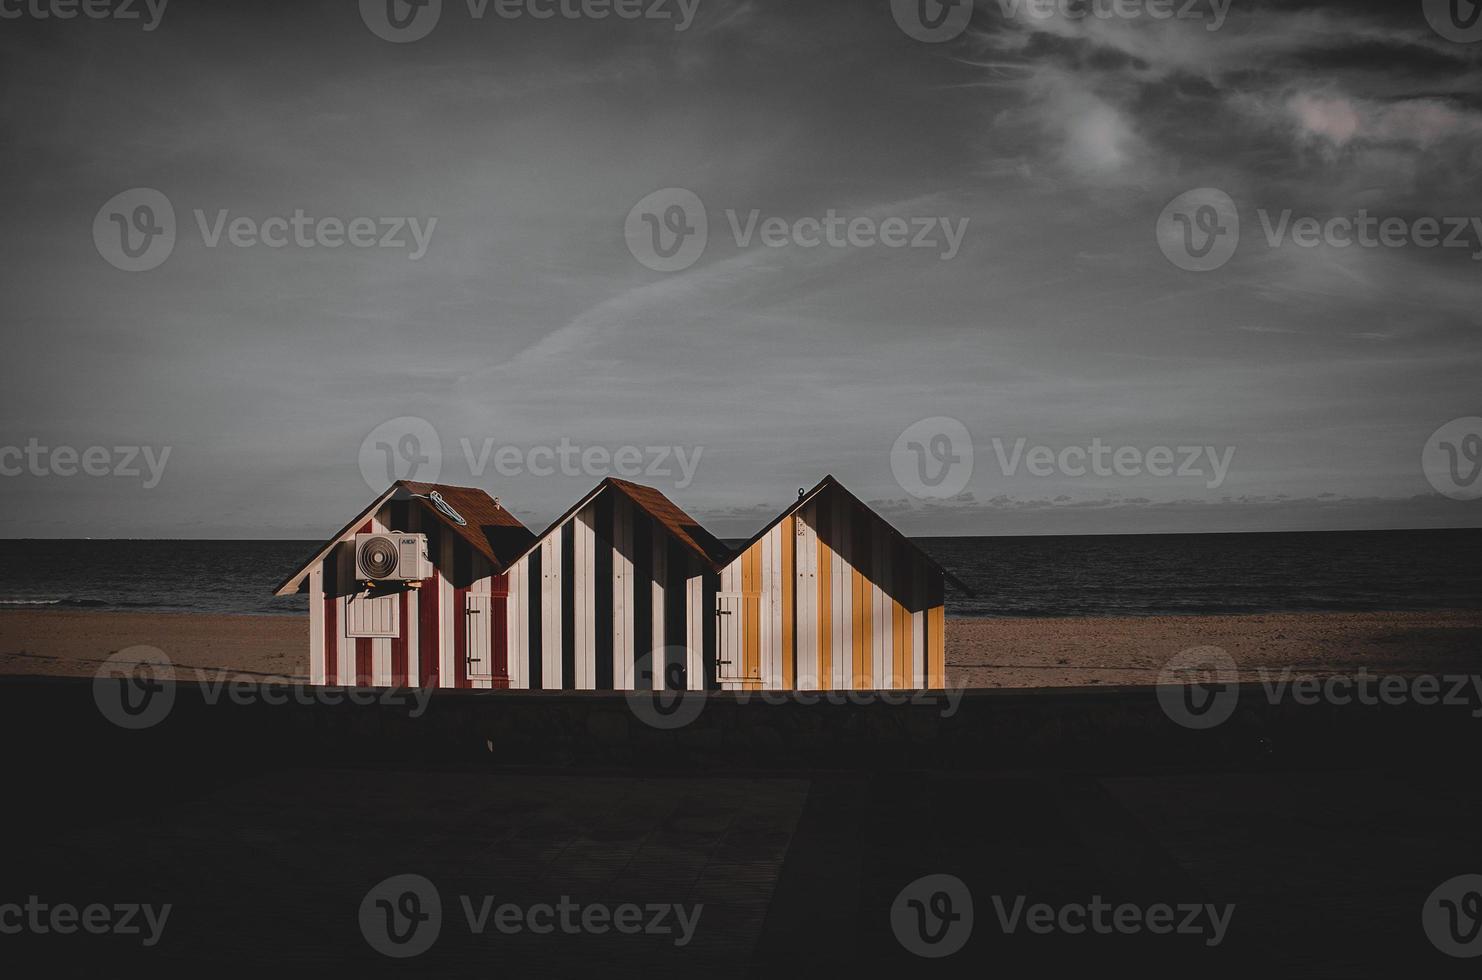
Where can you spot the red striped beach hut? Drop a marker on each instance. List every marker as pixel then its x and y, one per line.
pixel 446 628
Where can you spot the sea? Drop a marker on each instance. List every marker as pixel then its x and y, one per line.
pixel 1117 575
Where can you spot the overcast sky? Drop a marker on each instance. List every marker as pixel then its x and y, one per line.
pixel 1058 319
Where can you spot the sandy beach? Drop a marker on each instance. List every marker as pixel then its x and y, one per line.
pixel 1002 653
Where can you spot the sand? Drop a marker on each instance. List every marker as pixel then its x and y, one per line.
pixel 73 643
pixel 980 653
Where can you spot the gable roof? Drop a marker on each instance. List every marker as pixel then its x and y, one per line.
pixel 491 530
pixel 829 483
pixel 663 511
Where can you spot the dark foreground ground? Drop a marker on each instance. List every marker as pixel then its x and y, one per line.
pixel 266 827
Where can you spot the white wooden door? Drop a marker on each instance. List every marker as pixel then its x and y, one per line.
pixel 730 639
pixel 480 613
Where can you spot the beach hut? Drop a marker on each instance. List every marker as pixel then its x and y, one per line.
pixel 440 586
pixel 617 594
pixel 414 591
pixel 830 596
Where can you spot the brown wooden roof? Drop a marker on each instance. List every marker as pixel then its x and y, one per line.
pixel 684 528
pixel 491 530
pixel 677 522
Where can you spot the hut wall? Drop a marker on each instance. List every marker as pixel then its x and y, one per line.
pixel 452 629
pixel 610 601
pixel 831 599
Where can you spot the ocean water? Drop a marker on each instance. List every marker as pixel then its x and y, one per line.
pixel 1157 574
pixel 1131 575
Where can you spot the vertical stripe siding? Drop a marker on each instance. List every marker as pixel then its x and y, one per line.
pixel 862 600
pixel 462 565
pixel 676 619
pixel 751 619
pixel 789 582
pixel 516 606
pixel 616 591
pixel 622 594
pixel 550 609
pixel 499 631
pixel 806 598
pixel 567 607
pixel 937 646
pixel 918 627
pixel 446 597
pixel 766 560
pixel 344 645
pixel 842 603
pixel 604 590
pixel 330 668
pixel 642 622
pixel 534 574
pixel 841 581
pixel 825 597
pixel 658 584
pixel 694 638
pixel 316 626
pixel 399 643
pixel 429 618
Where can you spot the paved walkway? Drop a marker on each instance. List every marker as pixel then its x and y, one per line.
pixel 797 874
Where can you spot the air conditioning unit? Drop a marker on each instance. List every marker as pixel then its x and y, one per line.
pixel 392 556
